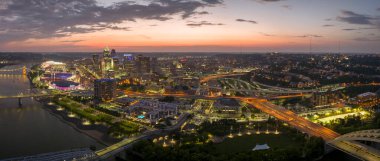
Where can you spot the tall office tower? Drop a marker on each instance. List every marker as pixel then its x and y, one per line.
pixel 106 52
pixel 108 63
pixel 116 63
pixel 104 90
pixel 129 63
pixel 143 64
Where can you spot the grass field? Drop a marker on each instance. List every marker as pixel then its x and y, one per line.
pixel 248 142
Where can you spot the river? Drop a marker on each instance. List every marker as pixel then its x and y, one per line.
pixel 30 129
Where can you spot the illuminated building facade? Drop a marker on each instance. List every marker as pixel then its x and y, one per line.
pixel 107 62
pixel 104 90
pixel 129 63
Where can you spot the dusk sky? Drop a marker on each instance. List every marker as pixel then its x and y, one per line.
pixel 190 25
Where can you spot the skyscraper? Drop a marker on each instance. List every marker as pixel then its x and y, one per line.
pixel 107 61
pixel 143 64
pixel 129 63
pixel 106 52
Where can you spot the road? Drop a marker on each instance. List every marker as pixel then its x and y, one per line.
pixel 126 143
pixel 291 118
pixel 72 154
pixel 216 76
pixel 357 150
pixel 116 148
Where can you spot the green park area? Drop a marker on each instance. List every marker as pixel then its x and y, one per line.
pixel 282 148
pixel 117 128
pixel 246 143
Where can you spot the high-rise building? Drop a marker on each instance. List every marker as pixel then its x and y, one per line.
pixel 104 90
pixel 108 64
pixel 129 63
pixel 107 61
pixel 106 52
pixel 143 64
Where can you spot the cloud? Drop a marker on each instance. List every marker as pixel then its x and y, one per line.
pixel 266 34
pixel 145 36
pixel 349 29
pixel 213 1
pixel 292 36
pixel 367 39
pixel 360 28
pixel 249 21
pixel 378 9
pixel 203 13
pixel 327 25
pixel 287 7
pixel 24 19
pixel 71 41
pixel 355 18
pixel 203 23
pixel 309 36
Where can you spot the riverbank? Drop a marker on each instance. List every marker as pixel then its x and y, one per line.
pixel 98 132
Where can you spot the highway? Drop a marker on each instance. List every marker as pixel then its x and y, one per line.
pixel 92 73
pixel 216 76
pixel 291 118
pixel 357 150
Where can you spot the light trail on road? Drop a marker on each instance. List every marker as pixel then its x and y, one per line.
pixel 291 118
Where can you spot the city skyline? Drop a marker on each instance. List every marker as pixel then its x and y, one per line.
pixel 190 80
pixel 190 26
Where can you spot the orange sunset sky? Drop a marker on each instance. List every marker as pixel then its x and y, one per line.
pixel 190 25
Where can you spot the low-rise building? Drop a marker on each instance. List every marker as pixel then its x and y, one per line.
pixel 152 110
pixel 225 105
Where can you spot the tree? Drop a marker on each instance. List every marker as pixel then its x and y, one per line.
pixel 314 147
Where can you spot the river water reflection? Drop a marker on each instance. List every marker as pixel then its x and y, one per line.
pixel 30 129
